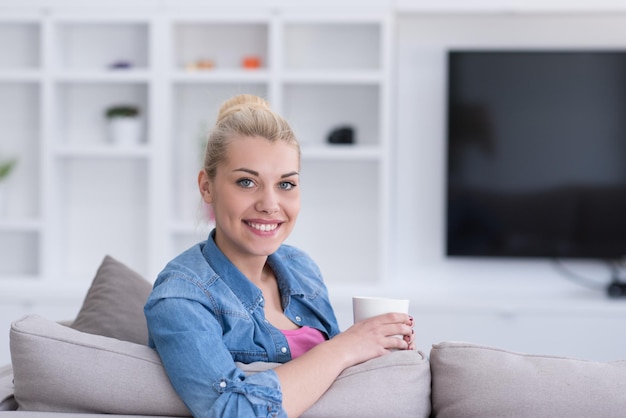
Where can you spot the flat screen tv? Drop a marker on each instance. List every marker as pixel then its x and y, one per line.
pixel 536 153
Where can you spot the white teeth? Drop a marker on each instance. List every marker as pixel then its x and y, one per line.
pixel 263 227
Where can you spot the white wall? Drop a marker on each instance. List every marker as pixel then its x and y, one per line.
pixel 508 292
pixel 420 143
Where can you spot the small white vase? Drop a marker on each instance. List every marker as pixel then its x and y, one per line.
pixel 125 131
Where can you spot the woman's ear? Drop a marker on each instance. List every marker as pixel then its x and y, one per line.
pixel 204 184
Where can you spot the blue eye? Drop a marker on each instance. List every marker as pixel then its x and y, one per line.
pixel 286 185
pixel 245 183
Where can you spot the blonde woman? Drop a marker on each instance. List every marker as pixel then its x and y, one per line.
pixel 244 296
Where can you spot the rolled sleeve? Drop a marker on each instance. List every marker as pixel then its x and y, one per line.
pixel 260 391
pixel 202 371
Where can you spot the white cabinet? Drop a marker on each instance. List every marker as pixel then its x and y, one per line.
pixel 76 195
pixel 321 73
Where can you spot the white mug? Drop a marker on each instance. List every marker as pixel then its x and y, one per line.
pixel 365 307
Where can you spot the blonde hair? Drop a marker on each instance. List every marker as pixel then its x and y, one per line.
pixel 245 115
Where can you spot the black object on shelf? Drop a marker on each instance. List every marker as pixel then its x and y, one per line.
pixel 341 135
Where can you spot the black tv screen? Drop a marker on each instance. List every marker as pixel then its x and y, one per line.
pixel 536 154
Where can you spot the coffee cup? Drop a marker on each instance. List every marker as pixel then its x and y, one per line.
pixel 364 307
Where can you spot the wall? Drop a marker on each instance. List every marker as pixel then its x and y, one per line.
pixel 495 289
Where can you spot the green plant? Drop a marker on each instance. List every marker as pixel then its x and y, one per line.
pixel 6 167
pixel 122 111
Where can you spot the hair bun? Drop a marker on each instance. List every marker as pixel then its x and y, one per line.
pixel 240 102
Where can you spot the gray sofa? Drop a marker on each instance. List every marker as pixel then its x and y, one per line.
pixel 99 365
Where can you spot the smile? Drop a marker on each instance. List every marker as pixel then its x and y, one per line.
pixel 262 227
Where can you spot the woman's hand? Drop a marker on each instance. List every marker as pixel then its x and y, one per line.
pixel 375 336
pixel 305 379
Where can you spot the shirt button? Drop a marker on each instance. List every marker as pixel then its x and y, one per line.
pixel 222 384
pixel 298 319
pixel 283 350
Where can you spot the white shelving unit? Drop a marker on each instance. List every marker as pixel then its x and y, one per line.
pixel 76 196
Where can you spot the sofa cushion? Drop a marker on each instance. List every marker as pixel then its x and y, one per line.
pixel 7 401
pixel 61 369
pixel 396 384
pixel 113 306
pixel 477 381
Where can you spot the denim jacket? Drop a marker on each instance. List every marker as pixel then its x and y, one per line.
pixel 203 315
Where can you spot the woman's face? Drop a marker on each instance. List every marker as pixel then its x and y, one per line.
pixel 255 196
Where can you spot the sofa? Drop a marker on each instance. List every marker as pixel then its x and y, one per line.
pixel 99 365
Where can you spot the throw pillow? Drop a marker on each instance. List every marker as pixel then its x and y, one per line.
pixel 113 306
pixel 7 401
pixel 60 369
pixel 476 381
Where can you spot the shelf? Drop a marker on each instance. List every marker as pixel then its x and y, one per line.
pixel 342 152
pixel 19 225
pixel 103 76
pixel 19 43
pixel 223 45
pixel 333 77
pixel 332 45
pixel 19 76
pixel 321 72
pixel 79 114
pixel 102 151
pixel 20 252
pixel 315 110
pixel 98 44
pixel 221 76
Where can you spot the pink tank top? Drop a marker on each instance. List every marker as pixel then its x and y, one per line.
pixel 302 340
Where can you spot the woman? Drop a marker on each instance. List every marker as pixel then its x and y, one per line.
pixel 244 296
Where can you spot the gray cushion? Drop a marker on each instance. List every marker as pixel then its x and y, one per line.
pixel 394 385
pixel 476 381
pixel 60 369
pixel 7 401
pixel 113 306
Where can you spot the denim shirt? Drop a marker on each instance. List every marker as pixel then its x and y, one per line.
pixel 204 315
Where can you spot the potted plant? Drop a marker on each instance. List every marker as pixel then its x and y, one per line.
pixel 124 124
pixel 6 167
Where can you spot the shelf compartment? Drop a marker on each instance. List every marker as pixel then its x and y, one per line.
pixel 81 108
pixel 223 45
pixel 97 45
pixel 222 76
pixel 337 46
pixel 340 219
pixel 20 45
pixel 314 111
pixel 20 254
pixel 20 122
pixel 108 214
pixel 194 115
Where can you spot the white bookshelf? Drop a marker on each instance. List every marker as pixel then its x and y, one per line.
pixel 76 196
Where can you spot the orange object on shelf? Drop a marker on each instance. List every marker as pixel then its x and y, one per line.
pixel 204 64
pixel 251 62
